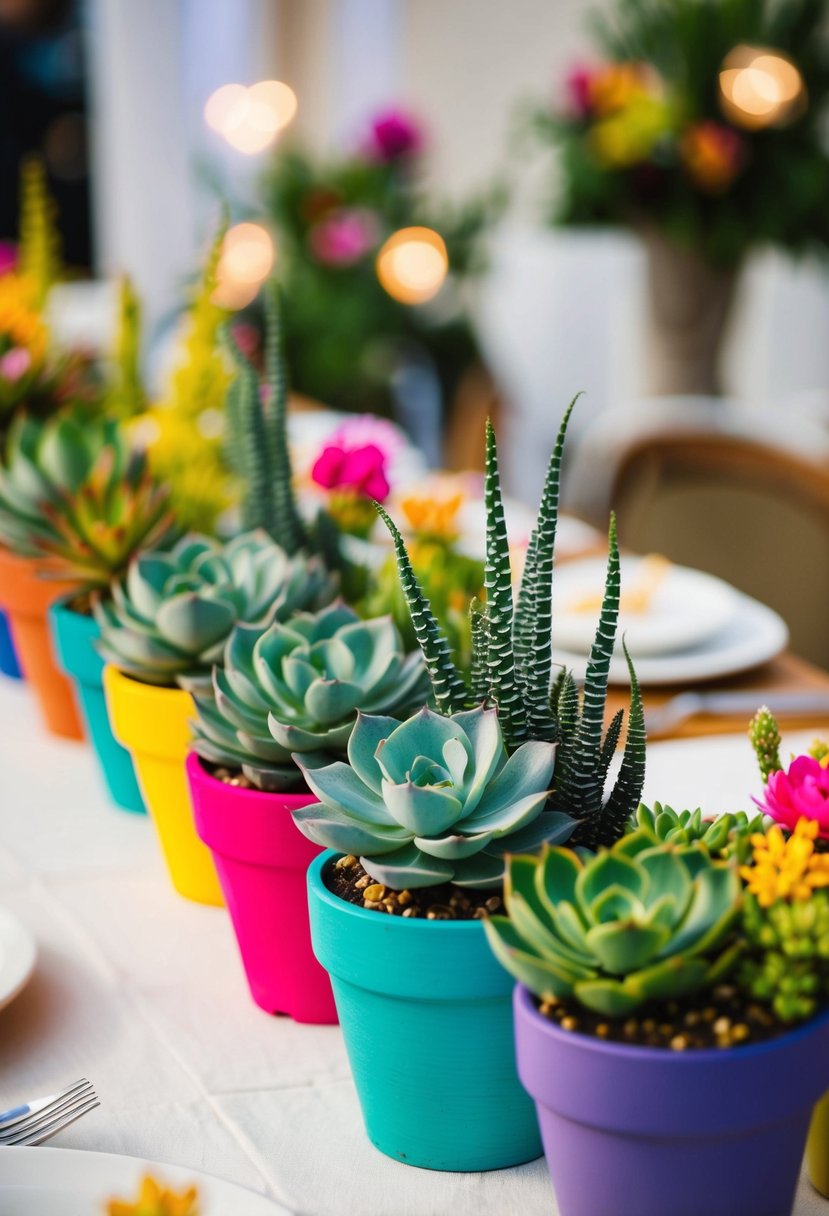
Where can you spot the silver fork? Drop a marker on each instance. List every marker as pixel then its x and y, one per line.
pixel 36 1121
pixel 686 705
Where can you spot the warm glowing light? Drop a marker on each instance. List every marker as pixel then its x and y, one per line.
pixel 251 118
pixel 759 87
pixel 412 265
pixel 246 261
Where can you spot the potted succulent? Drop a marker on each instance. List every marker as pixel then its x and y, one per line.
pixel 294 687
pixel 161 631
pixel 420 820
pixel 800 791
pixel 655 1026
pixel 75 502
pixel 167 623
pixel 35 375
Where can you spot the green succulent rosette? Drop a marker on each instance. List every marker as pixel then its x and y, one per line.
pixel 74 493
pixel 637 922
pixel 722 836
pixel 296 688
pixel 169 619
pixel 433 799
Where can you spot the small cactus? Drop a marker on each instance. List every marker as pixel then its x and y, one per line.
pixel 764 734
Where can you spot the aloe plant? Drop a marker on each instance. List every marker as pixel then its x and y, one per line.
pixel 512 662
pixel 167 622
pixel 73 493
pixel 433 799
pixel 638 922
pixel 296 687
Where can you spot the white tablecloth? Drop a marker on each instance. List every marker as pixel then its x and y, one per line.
pixel 143 992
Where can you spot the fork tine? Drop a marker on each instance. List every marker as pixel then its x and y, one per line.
pixel 18 1114
pixel 44 1130
pixel 31 1124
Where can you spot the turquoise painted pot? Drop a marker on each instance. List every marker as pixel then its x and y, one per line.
pixel 74 636
pixel 426 1015
pixel 9 665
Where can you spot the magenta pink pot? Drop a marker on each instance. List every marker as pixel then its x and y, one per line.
pixel 261 859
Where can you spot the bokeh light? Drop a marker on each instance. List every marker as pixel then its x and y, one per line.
pixel 412 265
pixel 251 118
pixel 760 87
pixel 246 260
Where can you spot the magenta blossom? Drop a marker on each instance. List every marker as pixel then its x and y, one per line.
pixel 801 792
pixel 15 363
pixel 361 470
pixel 393 135
pixel 8 257
pixel 344 236
pixel 577 91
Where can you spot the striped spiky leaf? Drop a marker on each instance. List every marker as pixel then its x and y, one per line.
pixel 292 531
pixel 479 676
pixel 504 688
pixel 539 625
pixel 523 628
pixel 581 791
pixel 627 791
pixel 611 742
pixel 451 692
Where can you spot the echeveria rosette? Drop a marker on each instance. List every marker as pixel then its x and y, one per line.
pixel 296 687
pixel 799 792
pixel 433 799
pixel 634 923
pixel 74 494
pixel 168 621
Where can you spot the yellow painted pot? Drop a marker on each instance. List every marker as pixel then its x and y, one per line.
pixel 817 1148
pixel 152 723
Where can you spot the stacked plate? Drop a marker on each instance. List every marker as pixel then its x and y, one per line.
pixel 681 626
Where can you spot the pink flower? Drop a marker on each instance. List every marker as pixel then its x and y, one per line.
pixel 15 363
pixel 8 257
pixel 360 429
pixel 393 135
pixel 361 470
pixel 344 236
pixel 577 84
pixel 802 792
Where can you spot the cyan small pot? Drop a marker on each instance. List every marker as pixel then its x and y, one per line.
pixel 644 1131
pixel 74 636
pixel 427 1019
pixel 9 665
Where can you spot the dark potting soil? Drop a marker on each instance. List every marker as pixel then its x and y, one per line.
pixel 724 1017
pixel 347 878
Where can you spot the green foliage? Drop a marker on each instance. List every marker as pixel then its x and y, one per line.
pixel 39 238
pixel 764 734
pixel 73 493
pixel 344 335
pixel 295 688
pixel 775 190
pixel 723 837
pixel 169 619
pixel 788 963
pixel 125 394
pixel 511 663
pixel 638 922
pixel 433 799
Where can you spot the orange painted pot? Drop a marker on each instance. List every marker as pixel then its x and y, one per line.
pixel 25 598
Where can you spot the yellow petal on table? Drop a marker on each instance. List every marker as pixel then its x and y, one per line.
pixel 155 1200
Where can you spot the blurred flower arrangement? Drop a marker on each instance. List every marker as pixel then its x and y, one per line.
pixel 373 269
pixel 704 118
pixel 34 374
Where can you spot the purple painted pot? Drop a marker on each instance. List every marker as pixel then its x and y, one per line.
pixel 643 1131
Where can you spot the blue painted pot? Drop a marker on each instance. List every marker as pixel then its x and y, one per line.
pixel 426 1014
pixel 74 635
pixel 9 665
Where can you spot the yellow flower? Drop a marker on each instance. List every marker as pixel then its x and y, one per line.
pixel 615 86
pixel 21 324
pixel 786 869
pixel 629 136
pixel 155 1200
pixel 432 515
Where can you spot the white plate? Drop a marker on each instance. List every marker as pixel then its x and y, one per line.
pixel 753 636
pixel 17 957
pixel 686 608
pixel 68 1182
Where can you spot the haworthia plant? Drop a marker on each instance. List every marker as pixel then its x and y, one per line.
pixel 512 662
